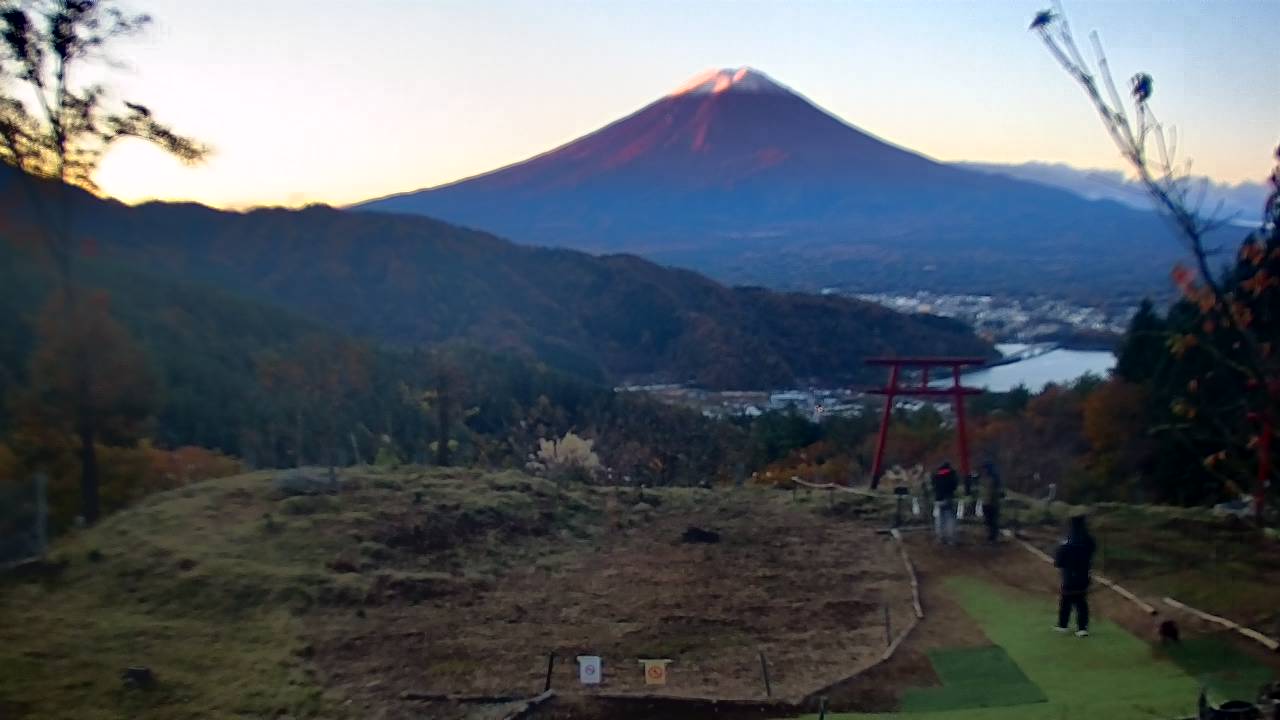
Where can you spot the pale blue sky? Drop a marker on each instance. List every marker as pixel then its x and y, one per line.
pixel 339 101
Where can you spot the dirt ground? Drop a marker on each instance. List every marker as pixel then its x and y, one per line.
pixel 805 582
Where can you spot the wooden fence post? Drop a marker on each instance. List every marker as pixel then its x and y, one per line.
pixel 888 627
pixel 42 512
pixel 764 669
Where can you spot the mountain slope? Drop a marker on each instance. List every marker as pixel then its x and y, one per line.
pixel 737 175
pixel 412 281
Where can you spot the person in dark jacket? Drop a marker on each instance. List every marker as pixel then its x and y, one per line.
pixel 992 494
pixel 1075 559
pixel 945 483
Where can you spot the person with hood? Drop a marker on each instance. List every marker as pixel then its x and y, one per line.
pixel 992 493
pixel 945 483
pixel 1075 559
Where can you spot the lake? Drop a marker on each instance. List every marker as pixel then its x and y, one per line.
pixel 1055 366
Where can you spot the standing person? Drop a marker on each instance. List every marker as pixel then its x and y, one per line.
pixel 992 493
pixel 1075 559
pixel 945 482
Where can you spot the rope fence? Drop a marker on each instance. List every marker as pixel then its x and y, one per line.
pixel 1270 643
pixel 819 695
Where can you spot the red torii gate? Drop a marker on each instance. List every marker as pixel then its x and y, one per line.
pixel 956 392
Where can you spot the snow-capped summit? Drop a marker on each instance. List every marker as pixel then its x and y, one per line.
pixel 742 79
pixel 736 173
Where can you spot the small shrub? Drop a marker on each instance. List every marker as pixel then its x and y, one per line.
pixel 387 458
pixel 269 524
pixel 375 550
pixel 308 505
pixel 387 483
pixel 567 459
pixel 291 483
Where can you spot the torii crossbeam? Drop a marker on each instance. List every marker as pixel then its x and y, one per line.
pixel 956 392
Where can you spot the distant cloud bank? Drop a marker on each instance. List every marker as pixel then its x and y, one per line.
pixel 1241 203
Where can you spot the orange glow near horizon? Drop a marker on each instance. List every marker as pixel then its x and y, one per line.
pixel 425 94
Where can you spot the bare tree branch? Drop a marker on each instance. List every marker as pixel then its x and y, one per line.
pixel 1160 180
pixel 53 128
pixel 1228 307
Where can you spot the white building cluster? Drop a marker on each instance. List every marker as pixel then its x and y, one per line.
pixel 1011 319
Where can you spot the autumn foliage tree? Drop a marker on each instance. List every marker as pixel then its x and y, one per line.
pixel 88 383
pixel 1116 421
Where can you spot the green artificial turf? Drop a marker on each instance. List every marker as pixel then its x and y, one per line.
pixel 1110 675
pixel 973 678
pixel 1228 673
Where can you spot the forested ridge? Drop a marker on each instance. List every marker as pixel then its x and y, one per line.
pixel 265 386
pixel 411 281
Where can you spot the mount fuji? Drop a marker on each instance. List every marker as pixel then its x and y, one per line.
pixel 739 176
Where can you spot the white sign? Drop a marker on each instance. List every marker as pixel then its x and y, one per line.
pixel 589 669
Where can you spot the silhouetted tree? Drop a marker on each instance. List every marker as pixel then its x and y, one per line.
pixel 56 127
pixel 53 126
pixel 445 398
pixel 1146 345
pixel 444 402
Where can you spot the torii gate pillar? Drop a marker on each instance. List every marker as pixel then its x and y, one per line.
pixel 893 389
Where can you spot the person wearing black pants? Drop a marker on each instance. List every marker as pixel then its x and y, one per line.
pixel 1075 559
pixel 1078 600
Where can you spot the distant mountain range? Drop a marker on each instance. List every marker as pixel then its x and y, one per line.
pixel 738 176
pixel 415 281
pixel 1241 202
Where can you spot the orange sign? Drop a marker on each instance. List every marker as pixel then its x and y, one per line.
pixel 655 671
